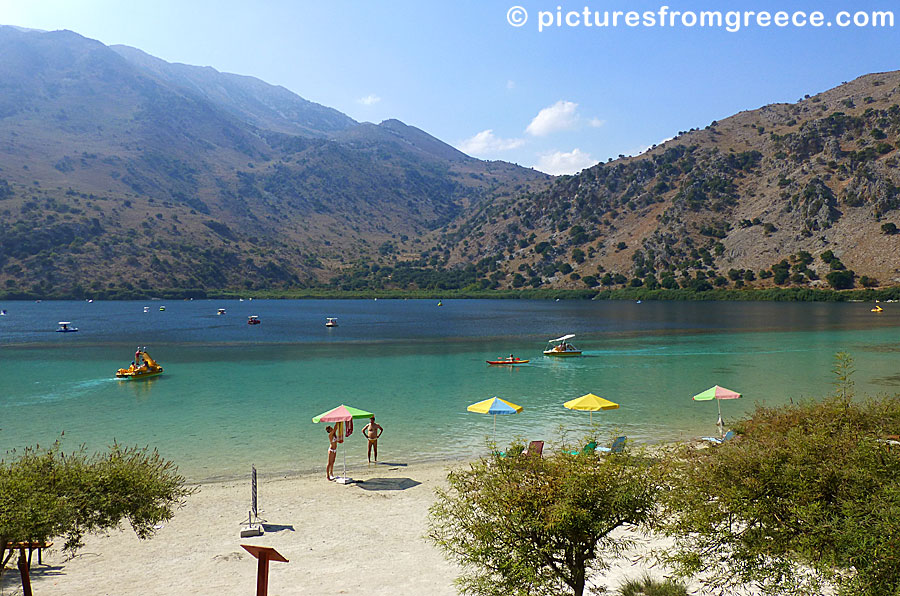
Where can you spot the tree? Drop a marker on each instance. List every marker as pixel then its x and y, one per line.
pixel 531 525
pixel 841 280
pixel 804 501
pixel 868 282
pixel 46 494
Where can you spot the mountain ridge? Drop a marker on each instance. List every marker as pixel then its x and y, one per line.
pixel 150 174
pixel 744 194
pixel 121 173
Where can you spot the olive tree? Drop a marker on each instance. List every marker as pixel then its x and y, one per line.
pixel 47 494
pixel 539 526
pixel 806 499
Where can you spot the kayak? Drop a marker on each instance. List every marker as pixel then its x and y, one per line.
pixel 508 361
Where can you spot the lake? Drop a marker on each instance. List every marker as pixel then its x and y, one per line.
pixel 234 394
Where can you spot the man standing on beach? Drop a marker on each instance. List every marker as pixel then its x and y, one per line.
pixel 371 432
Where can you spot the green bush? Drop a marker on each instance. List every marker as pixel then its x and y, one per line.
pixel 803 501
pixel 647 586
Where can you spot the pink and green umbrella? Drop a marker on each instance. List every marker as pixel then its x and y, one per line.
pixel 343 414
pixel 717 393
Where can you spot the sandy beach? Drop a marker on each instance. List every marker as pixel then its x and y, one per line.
pixel 364 538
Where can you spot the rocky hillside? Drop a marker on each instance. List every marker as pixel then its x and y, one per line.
pixel 756 199
pixel 119 171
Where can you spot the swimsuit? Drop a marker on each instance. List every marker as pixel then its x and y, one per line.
pixel 332 450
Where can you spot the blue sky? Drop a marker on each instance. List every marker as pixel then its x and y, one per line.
pixel 558 99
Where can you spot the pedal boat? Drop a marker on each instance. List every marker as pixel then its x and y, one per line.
pixel 149 368
pixel 560 347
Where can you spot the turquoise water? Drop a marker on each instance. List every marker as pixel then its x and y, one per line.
pixel 234 395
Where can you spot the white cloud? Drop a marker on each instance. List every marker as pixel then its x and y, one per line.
pixel 560 116
pixel 485 142
pixel 565 163
pixel 369 100
pixel 596 122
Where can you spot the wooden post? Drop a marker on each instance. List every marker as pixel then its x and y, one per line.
pixel 264 554
pixel 23 571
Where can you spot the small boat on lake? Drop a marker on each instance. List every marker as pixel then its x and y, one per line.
pixel 877 308
pixel 510 360
pixel 66 327
pixel 162 308
pixel 146 309
pixel 221 311
pixel 253 320
pixel 562 348
pixel 331 322
pixel 142 368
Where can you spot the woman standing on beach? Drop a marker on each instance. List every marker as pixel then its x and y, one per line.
pixel 332 451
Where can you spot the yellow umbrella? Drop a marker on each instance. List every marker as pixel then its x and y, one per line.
pixel 591 403
pixel 495 406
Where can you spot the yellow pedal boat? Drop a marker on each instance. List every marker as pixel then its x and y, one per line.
pixel 145 369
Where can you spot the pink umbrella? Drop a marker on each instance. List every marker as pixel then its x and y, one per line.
pixel 717 393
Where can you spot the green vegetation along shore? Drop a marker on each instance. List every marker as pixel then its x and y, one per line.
pixel 764 294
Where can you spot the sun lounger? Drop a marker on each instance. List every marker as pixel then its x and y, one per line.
pixel 618 446
pixel 511 453
pixel 728 436
pixel 535 449
pixel 588 449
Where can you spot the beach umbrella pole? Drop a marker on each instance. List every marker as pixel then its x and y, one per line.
pixel 720 423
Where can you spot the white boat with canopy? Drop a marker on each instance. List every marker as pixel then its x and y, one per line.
pixel 561 347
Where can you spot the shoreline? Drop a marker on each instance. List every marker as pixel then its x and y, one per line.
pixel 318 470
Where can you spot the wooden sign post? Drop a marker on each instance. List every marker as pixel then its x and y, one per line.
pixel 264 554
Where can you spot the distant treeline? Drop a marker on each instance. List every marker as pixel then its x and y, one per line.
pixel 767 294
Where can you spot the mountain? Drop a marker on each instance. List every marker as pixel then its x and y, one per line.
pixel 804 194
pixel 247 98
pixel 120 167
pixel 121 174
